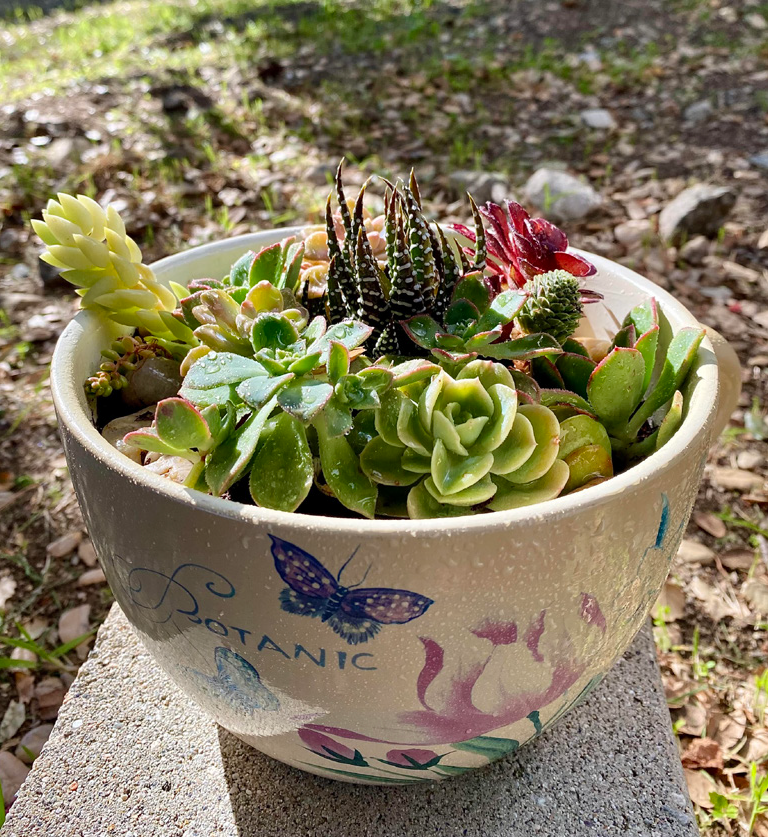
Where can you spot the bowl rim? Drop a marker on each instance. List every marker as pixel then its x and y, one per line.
pixel 73 414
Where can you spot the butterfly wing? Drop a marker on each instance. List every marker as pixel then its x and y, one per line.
pixel 384 605
pixel 352 629
pixel 298 603
pixel 301 572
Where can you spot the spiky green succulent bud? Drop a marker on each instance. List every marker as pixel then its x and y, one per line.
pixel 94 252
pixel 465 444
pixel 553 306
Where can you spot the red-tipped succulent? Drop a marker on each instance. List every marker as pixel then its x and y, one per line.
pixel 521 247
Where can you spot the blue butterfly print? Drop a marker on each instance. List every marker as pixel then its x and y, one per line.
pixel 356 615
pixel 238 684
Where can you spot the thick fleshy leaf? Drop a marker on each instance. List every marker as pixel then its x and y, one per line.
pixel 523 348
pixel 265 265
pixel 228 462
pixel 546 373
pixel 580 431
pixel 574 347
pixel 411 371
pixel 680 356
pixel 410 430
pixel 238 274
pixel 352 391
pixel 257 391
pixel 479 492
pixel 383 464
pixel 546 487
pixel 516 448
pixel 342 472
pixel 460 315
pixel 305 364
pixel 147 439
pixel 273 331
pixel 315 330
pixel 423 330
pixel 474 288
pixel 576 371
pixel 423 506
pixel 488 373
pixel 501 421
pixel 362 428
pixel 553 398
pixel 348 332
pixel 206 397
pixel 291 266
pixel 546 431
pixel 387 417
pixel 282 472
pixel 625 337
pixel 647 345
pixel 587 464
pixel 502 310
pixel 217 368
pixel 672 421
pixel 338 419
pixel 180 425
pixel 616 386
pixel 452 472
pixel 338 361
pixel 450 342
pixel 416 462
pixel 643 316
pixel 305 398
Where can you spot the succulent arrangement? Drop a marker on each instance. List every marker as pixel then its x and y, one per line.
pixel 401 369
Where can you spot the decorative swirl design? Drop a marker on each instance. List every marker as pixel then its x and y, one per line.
pixel 219 586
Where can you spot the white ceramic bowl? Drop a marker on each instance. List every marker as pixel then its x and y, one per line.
pixel 521 613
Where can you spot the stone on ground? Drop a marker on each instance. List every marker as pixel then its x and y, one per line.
pixel 698 210
pixel 561 196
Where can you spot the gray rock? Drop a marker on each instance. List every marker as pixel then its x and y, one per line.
pixel 634 232
pixel 12 774
pixel 760 160
pixel 19 271
pixel 561 196
pixel 65 148
pixel 599 118
pixel 695 250
pixel 154 379
pixel 484 186
pixel 698 111
pixel 321 174
pixel 31 744
pixel 698 210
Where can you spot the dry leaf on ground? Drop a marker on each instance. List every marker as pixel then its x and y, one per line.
pixel 700 785
pixel 703 753
pixel 670 606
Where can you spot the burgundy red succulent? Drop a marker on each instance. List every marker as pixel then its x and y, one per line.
pixel 521 247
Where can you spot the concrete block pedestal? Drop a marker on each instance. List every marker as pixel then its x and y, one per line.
pixel 131 757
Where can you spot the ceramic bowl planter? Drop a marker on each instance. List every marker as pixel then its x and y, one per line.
pixel 513 616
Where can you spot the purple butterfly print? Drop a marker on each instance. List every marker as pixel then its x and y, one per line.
pixel 355 614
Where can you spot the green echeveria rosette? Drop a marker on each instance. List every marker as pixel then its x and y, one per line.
pixel 465 444
pixel 554 305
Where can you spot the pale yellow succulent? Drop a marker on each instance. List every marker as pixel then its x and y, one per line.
pixel 94 252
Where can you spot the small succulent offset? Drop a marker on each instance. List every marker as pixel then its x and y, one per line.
pixel 377 361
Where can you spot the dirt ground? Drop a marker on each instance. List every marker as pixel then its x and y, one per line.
pixel 220 117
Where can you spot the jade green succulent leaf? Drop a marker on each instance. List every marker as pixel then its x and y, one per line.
pixel 680 356
pixel 383 463
pixel 624 338
pixel 475 289
pixel 305 398
pixel 502 310
pixel 547 487
pixel 616 386
pixel 546 431
pixel 148 439
pixel 338 361
pixel 523 348
pixel 460 316
pixel 281 474
pixel 576 371
pixel 217 368
pixel 672 420
pixel 563 399
pixel 423 330
pixel 580 431
pixel 342 471
pixel 586 465
pixel 349 333
pixel 238 274
pixel 229 460
pixel 255 392
pixel 181 425
pixel 273 331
